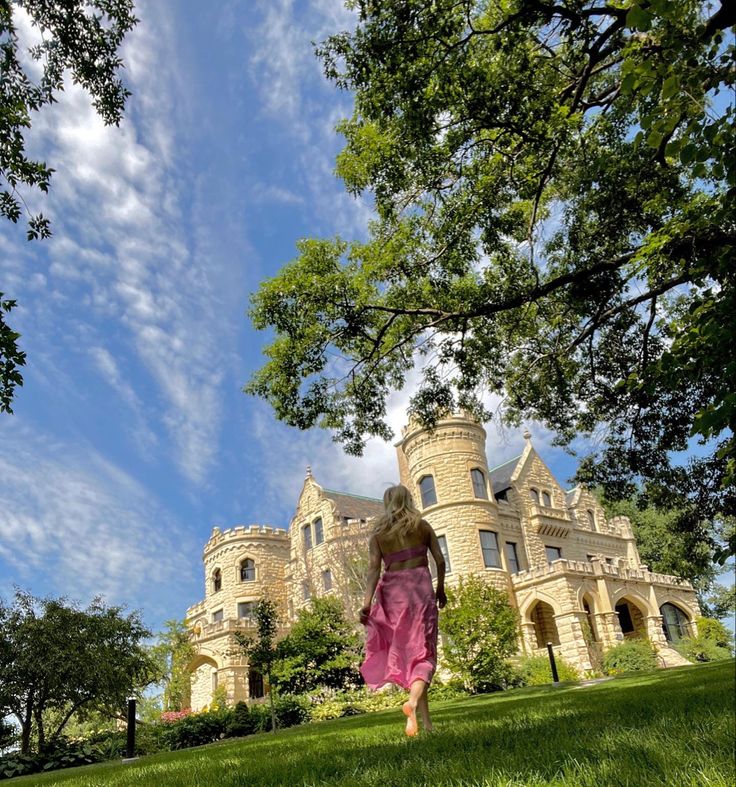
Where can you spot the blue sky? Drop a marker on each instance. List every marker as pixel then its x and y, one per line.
pixel 131 438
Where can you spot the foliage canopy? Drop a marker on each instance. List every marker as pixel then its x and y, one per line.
pixel 479 632
pixel 57 657
pixel 321 649
pixel 554 227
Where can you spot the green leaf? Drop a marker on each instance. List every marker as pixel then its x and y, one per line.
pixel 639 19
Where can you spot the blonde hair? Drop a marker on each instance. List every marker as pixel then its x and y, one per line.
pixel 401 517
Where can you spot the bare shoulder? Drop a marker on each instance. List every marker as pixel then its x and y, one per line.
pixel 426 530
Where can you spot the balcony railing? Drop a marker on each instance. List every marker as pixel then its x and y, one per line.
pixel 586 568
pixel 230 625
pixel 549 521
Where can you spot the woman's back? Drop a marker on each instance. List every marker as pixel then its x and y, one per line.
pixel 392 543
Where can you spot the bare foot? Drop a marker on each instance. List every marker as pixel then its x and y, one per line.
pixel 412 728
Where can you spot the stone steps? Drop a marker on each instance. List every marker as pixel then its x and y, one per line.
pixel 672 658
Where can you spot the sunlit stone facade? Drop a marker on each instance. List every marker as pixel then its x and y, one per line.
pixel 575 577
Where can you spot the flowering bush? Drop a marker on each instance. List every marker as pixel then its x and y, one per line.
pixel 171 716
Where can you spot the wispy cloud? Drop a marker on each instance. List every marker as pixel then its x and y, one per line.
pixel 125 248
pixel 72 519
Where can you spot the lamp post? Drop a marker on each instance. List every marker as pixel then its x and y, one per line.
pixel 130 739
pixel 553 665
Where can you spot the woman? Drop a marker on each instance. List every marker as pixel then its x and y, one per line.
pixel 401 626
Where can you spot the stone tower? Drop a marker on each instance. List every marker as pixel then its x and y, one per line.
pixel 447 473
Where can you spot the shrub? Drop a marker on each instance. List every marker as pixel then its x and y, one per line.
pixel 242 722
pixel 453 689
pixel 197 729
pixel 536 671
pixel 479 631
pixel 702 649
pixel 714 631
pixel 151 738
pixel 170 716
pixel 64 755
pixel 633 655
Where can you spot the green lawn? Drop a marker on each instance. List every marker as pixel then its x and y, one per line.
pixel 674 727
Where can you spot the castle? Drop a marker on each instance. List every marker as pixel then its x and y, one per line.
pixel 574 576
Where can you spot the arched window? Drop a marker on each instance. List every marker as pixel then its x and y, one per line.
pixel 216 580
pixel 427 491
pixel 591 517
pixel 248 570
pixel 307 536
pixel 534 495
pixel 674 622
pixel 546 499
pixel 480 490
pixel 327 579
pixel 319 535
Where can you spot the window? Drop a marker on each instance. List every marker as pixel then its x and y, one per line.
pixel 591 518
pixel 318 531
pixel 216 580
pixel 546 499
pixel 442 541
pixel 245 609
pixel 503 495
pixel 327 579
pixel 307 536
pixel 674 623
pixel 512 559
pixel 255 685
pixel 427 491
pixel 489 545
pixel 479 484
pixel 553 553
pixel 306 593
pixel 609 560
pixel 589 558
pixel 534 494
pixel 248 570
pixel 217 616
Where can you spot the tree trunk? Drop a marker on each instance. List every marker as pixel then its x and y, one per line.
pixel 270 696
pixel 41 731
pixel 26 725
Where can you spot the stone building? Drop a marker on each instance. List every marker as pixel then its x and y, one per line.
pixel 575 577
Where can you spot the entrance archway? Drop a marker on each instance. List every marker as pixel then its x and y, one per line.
pixel 543 617
pixel 202 681
pixel 631 619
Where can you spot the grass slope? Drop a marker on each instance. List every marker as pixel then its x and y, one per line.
pixel 664 728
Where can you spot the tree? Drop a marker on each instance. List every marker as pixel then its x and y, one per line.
pixel 479 631
pixel 57 657
pixel 322 649
pixel 664 547
pixel 173 652
pixel 553 189
pixel 261 649
pixel 82 37
pixel 722 602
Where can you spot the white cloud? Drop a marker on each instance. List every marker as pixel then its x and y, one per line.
pixel 125 248
pixel 73 523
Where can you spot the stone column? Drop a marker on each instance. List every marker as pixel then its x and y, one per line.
pixel 655 631
pixel 528 637
pixel 572 640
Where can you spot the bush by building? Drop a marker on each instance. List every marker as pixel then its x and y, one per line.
pixel 633 655
pixel 536 671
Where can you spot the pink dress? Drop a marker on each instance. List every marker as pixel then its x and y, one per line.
pixel 401 632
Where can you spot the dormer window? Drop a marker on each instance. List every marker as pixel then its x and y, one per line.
pixel 480 489
pixel 318 530
pixel 248 570
pixel 534 495
pixel 546 499
pixel 216 580
pixel 427 491
pixel 307 531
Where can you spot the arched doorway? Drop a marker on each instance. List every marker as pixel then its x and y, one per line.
pixel 543 617
pixel 203 681
pixel 630 619
pixel 675 623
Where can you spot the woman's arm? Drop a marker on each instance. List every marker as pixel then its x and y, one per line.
pixel 371 579
pixel 439 559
